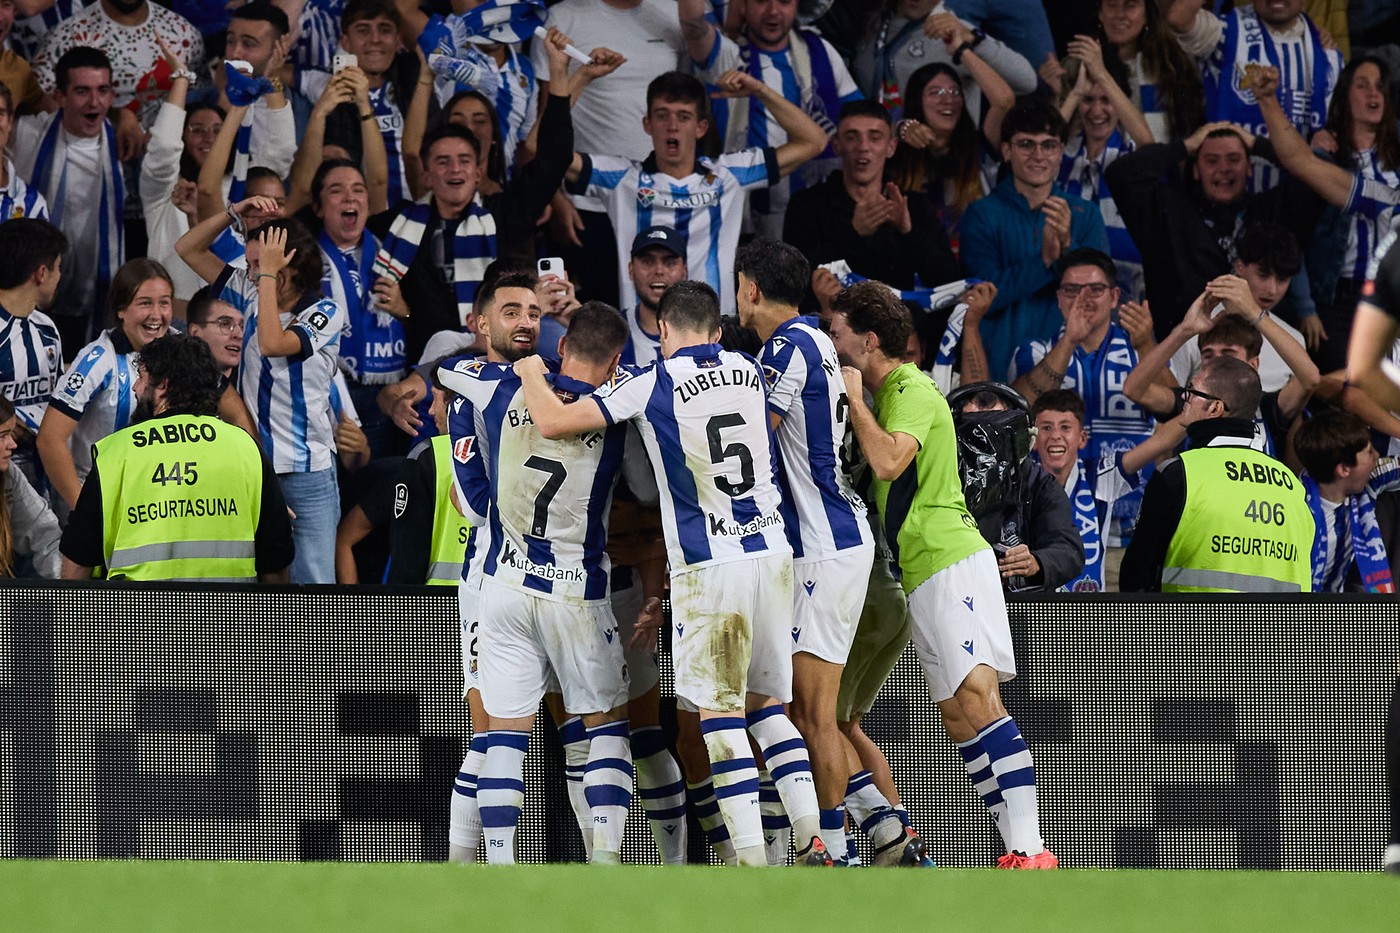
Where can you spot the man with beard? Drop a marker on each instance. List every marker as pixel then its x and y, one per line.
pixel 179 495
pixel 544 601
pixel 437 250
pixel 658 262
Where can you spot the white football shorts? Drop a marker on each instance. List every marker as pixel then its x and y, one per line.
pixel 958 621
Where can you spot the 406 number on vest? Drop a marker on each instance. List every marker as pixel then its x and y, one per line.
pixel 1264 512
pixel 181 474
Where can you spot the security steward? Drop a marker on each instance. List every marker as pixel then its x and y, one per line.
pixel 1223 517
pixel 179 495
pixel 423 500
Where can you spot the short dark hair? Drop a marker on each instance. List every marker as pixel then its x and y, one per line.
pixel 864 107
pixel 1088 256
pixel 1233 331
pixel 1234 382
pixel 1033 116
pixel 871 308
pixel 256 172
pixel 1225 132
pixel 79 56
pixel 129 278
pixel 318 181
pixel 690 306
pixel 192 378
pixel 1066 400
pixel 307 266
pixel 678 88
pixel 597 332
pixel 448 131
pixel 28 243
pixel 1270 246
pixel 356 10
pixel 486 294
pixel 1329 440
pixel 197 308
pixel 263 11
pixel 780 270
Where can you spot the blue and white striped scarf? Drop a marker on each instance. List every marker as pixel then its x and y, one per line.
pixel 18 199
pixel 1367 546
pixel 372 346
pixel 473 248
pixel 112 196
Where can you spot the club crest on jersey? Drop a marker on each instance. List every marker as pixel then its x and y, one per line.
pixel 619 377
pixel 462 450
pixel 471 367
pixel 400 499
pixel 18 212
pixel 646 197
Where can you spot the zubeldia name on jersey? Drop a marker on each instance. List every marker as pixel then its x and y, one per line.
pixel 745 377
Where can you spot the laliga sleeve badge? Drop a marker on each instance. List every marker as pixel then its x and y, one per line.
pixel 400 499
pixel 462 450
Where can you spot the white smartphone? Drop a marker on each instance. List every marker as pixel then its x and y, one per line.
pixel 550 265
pixel 343 60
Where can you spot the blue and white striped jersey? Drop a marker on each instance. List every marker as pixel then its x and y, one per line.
pixel 705 208
pixel 289 396
pixel 806 390
pixel 18 199
pixel 320 35
pixel 31 357
pixel 549 498
pixel 97 392
pixel 511 88
pixel 1082 175
pixel 1372 206
pixel 388 116
pixel 703 415
pixel 810 73
pixel 470 482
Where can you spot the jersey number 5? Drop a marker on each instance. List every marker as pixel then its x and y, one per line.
pixel 719 453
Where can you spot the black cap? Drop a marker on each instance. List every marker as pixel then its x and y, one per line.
pixel 665 237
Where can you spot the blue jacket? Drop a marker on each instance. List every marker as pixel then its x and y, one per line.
pixel 1001 243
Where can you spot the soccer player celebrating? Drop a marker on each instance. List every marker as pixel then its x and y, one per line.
pixel 831 539
pixel 956 608
pixel 544 597
pixel 703 415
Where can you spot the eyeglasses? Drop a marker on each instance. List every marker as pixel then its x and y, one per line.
pixel 1029 146
pixel 943 91
pixel 1095 289
pixel 1206 396
pixel 224 325
pixel 204 132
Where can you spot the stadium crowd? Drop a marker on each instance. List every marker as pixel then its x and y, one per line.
pixel 1062 218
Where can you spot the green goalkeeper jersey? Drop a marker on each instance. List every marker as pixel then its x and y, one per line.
pixel 926 518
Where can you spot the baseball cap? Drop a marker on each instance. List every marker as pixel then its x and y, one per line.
pixel 665 237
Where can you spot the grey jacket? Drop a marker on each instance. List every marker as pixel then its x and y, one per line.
pixel 32 524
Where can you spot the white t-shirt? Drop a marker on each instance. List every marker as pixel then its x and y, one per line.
pixel 608 116
pixel 1273 371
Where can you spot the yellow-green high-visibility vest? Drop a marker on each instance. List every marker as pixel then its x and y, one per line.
pixel 181 500
pixel 451 530
pixel 1246 526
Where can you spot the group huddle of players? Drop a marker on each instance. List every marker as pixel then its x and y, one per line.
pixel 774 561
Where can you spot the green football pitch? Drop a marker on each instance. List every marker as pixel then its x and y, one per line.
pixel 208 897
